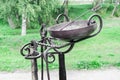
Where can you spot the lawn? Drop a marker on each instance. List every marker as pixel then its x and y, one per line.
pixel 98 52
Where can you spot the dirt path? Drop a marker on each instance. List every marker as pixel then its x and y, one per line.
pixel 107 74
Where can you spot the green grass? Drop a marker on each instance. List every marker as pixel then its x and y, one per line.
pixel 101 51
pixel 77 10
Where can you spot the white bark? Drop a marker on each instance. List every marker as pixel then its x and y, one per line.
pixel 24 24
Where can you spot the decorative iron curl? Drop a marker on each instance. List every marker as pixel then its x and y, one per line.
pixel 99 26
pixel 25 48
pixel 52 56
pixel 56 49
pixel 28 55
pixel 48 55
pixel 91 21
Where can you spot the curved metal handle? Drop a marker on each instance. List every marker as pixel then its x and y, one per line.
pixel 89 22
pixel 100 21
pixel 60 15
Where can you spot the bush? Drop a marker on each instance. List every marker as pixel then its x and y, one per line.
pixel 90 65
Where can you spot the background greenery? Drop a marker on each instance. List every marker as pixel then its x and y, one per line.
pixel 32 9
pixel 98 52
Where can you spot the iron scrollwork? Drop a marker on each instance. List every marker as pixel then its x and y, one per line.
pixel 49 48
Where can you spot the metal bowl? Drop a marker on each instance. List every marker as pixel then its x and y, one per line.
pixel 72 31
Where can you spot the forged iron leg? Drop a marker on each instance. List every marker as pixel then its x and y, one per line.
pixel 62 70
pixel 43 34
pixel 42 69
pixel 34 69
pixel 48 75
pixel 42 63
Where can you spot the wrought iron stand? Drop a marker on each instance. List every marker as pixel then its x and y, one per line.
pixel 31 51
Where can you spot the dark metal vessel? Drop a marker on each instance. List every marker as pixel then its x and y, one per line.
pixel 71 31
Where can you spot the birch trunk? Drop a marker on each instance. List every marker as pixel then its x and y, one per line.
pixel 24 24
pixel 11 23
pixel 66 9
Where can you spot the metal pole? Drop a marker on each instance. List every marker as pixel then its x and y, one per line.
pixel 42 58
pixel 34 69
pixel 43 35
pixel 42 47
pixel 34 63
pixel 42 64
pixel 62 70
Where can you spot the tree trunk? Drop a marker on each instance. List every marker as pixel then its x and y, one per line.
pixel 115 7
pixel 11 23
pixel 24 24
pixel 97 4
pixel 66 8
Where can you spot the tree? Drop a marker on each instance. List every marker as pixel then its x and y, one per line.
pixel 66 7
pixel 97 4
pixel 24 22
pixel 117 2
pixel 27 12
pixel 9 12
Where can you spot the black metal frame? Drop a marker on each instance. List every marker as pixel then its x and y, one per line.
pixel 46 44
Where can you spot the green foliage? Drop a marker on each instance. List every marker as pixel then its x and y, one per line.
pixel 79 9
pixel 92 53
pixel 96 2
pixel 31 8
pixel 48 6
pixel 107 9
pixel 117 13
pixel 7 8
pixel 117 64
pixel 109 1
pixel 111 7
pixel 89 65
